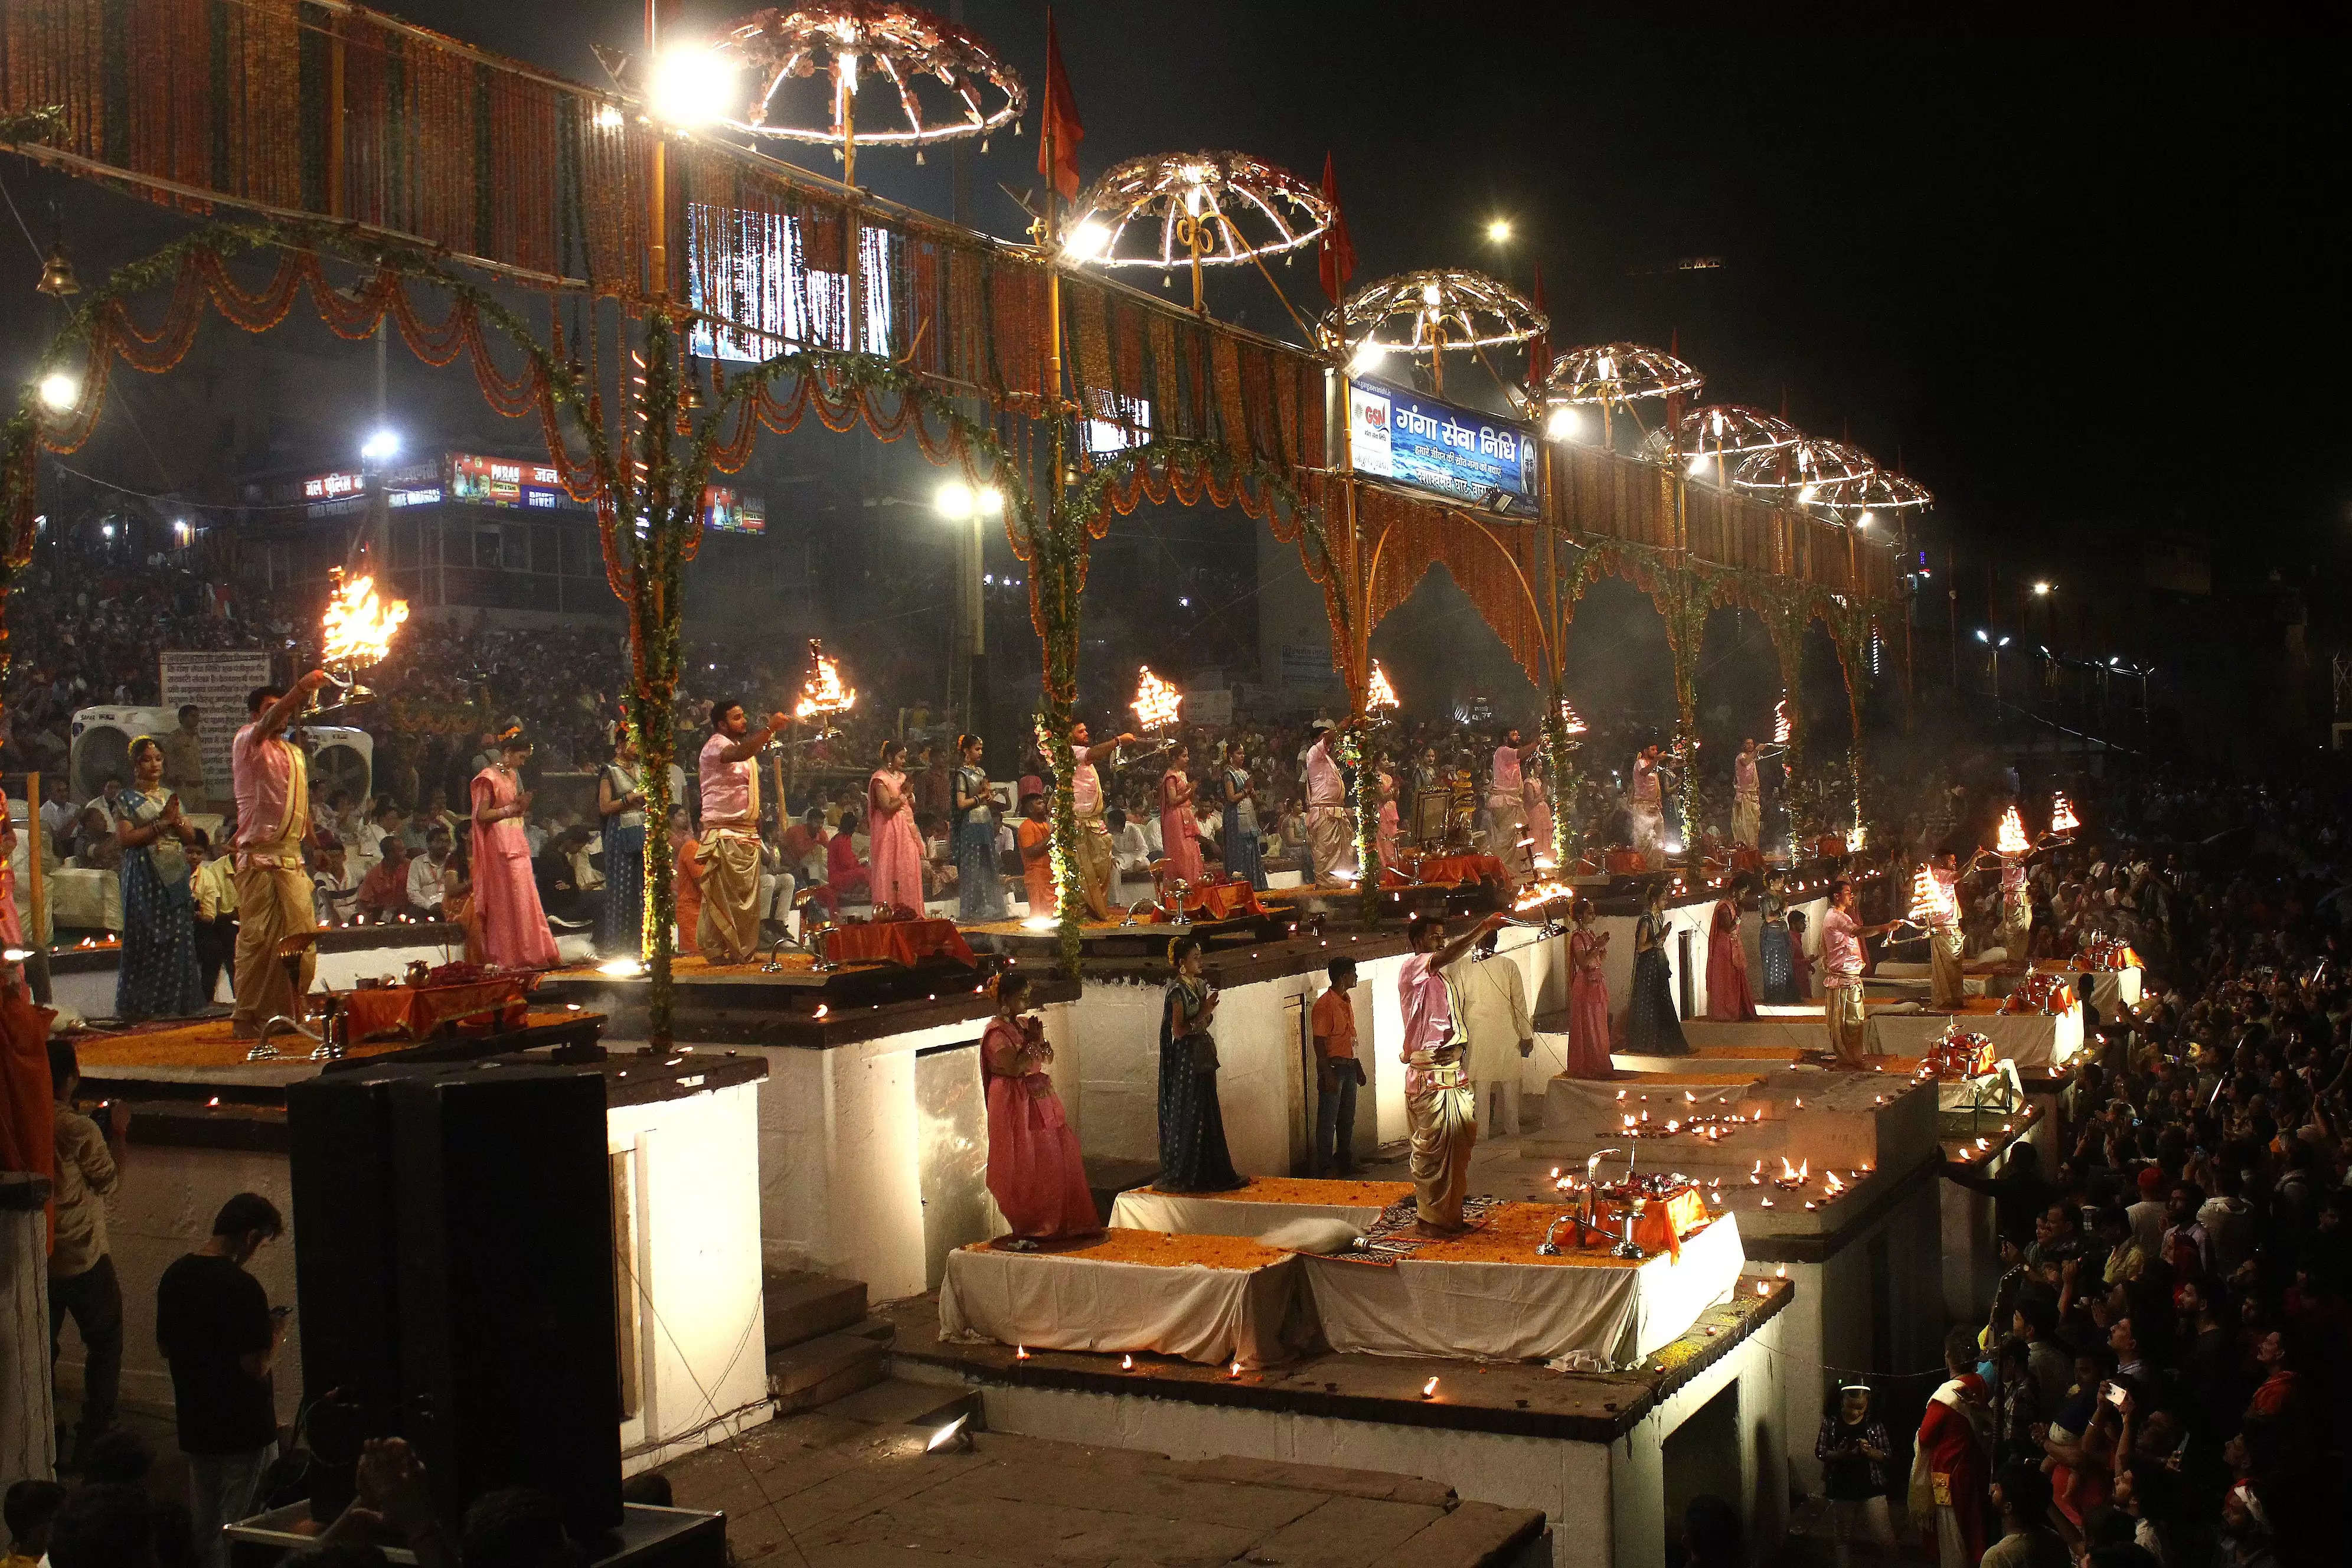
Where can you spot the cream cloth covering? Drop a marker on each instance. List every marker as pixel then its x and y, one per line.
pixel 1518 1312
pixel 1185 1213
pixel 1064 1303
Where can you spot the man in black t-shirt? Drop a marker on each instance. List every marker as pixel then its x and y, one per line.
pixel 217 1328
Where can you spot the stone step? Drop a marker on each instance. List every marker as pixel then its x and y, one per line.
pixel 802 1305
pixel 1109 1175
pixel 894 1402
pixel 882 1331
pixel 822 1370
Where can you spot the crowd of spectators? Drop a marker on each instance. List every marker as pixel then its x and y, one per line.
pixel 2160 1375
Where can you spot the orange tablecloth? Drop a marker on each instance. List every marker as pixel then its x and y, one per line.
pixel 415 1011
pixel 1218 901
pixel 898 941
pixel 1450 871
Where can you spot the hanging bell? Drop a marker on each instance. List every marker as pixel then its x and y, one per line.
pixel 57 278
pixel 918 157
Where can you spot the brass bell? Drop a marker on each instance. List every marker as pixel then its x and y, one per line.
pixel 57 278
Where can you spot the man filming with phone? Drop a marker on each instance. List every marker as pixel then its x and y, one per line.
pixel 215 1326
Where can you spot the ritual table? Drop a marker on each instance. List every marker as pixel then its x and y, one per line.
pixel 907 942
pixel 2032 1040
pixel 1216 902
pixel 1489 1295
pixel 412 1011
pixel 1449 871
pixel 2109 990
pixel 1255 1209
pixel 1214 1299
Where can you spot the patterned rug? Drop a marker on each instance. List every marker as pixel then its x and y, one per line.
pixel 1388 1241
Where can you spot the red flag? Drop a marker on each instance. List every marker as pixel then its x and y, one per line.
pixel 1336 263
pixel 1057 144
pixel 1539 346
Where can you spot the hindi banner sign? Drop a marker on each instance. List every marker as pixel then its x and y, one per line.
pixel 1442 448
pixel 216 682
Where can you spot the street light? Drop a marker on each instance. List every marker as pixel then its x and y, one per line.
pixel 691 86
pixel 2043 590
pixel 59 391
pixel 1563 424
pixel 380 447
pixel 1499 230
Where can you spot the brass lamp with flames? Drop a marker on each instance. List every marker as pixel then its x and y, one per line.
pixel 356 631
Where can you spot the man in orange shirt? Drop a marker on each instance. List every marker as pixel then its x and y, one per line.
pixel 1034 838
pixel 1338 1073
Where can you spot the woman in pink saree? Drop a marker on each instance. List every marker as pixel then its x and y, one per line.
pixel 1588 999
pixel 1729 998
pixel 1034 1171
pixel 895 851
pixel 506 900
pixel 1384 837
pixel 1180 830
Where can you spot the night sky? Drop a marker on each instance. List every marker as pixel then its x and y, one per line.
pixel 2081 285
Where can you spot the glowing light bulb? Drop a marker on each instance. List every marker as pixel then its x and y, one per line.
pixel 1087 240
pixel 1563 424
pixel 59 391
pixel 690 86
pixel 955 500
pixel 1499 230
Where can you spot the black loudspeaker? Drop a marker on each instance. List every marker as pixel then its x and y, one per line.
pixel 465 1284
pixel 346 1273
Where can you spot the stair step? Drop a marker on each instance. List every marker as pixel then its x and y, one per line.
pixel 822 1370
pixel 801 1305
pixel 881 1331
pixel 1108 1177
pixel 894 1402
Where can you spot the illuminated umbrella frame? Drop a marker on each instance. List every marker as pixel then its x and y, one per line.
pixel 905 44
pixel 1196 209
pixel 1488 312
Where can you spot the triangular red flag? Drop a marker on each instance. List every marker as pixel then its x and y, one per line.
pixel 1057 145
pixel 1336 263
pixel 1539 346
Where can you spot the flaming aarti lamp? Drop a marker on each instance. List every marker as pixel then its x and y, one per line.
pixel 357 632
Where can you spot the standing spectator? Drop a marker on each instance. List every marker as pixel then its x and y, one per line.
pixel 219 1332
pixel 1338 1073
pixel 214 883
pixel 31 1508
pixel 2021 1496
pixel 1947 1468
pixel 183 759
pixel 82 1284
pixel 1853 1446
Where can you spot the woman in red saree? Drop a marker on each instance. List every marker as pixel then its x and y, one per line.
pixel 1588 999
pixel 1729 998
pixel 1034 1171
pixel 514 927
pixel 1180 831
pixel 894 848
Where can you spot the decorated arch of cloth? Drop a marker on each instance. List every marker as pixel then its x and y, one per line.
pixel 204 105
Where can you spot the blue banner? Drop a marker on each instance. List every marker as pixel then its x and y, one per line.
pixel 1442 448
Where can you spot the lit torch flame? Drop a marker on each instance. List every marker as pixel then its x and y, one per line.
pixel 358 626
pixel 2061 815
pixel 2012 839
pixel 1540 894
pixel 824 694
pixel 1832 1185
pixel 1788 1171
pixel 1783 729
pixel 1568 721
pixel 1932 902
pixel 1429 1389
pixel 1380 697
pixel 1156 702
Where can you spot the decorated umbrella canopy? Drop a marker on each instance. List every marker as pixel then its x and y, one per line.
pixel 1429 312
pixel 1875 491
pixel 1607 374
pixel 904 44
pixel 1806 471
pixel 1196 210
pixel 1722 432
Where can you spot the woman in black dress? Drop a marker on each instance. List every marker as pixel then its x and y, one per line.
pixel 1193 1155
pixel 1652 1026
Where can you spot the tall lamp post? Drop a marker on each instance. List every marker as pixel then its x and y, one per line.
pixel 1995 643
pixel 969 511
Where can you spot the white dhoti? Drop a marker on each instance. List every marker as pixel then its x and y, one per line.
pixel 1947 989
pixel 1849 1021
pixel 1330 840
pixel 1442 1118
pixel 1507 819
pixel 1649 825
pixel 1747 820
